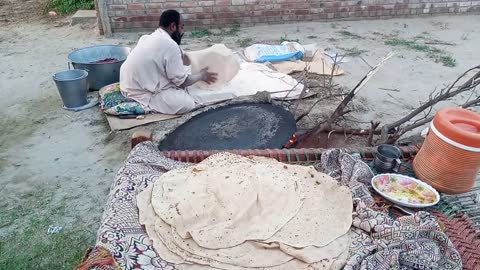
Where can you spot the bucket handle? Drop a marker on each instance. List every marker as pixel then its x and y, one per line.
pixel 70 64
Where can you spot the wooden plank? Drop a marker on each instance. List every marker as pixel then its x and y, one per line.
pixel 104 18
pixel 99 21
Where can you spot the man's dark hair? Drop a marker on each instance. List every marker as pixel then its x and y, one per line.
pixel 168 17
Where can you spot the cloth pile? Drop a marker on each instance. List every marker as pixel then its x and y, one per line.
pixel 380 241
pixel 250 79
pixel 233 212
pixel 112 102
pixel 261 53
pixel 291 57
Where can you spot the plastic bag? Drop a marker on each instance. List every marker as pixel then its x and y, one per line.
pixel 274 53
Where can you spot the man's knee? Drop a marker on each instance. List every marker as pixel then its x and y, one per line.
pixel 172 102
pixel 187 106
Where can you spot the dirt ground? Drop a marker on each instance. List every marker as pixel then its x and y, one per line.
pixel 51 158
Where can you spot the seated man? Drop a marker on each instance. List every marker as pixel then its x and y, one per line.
pixel 154 73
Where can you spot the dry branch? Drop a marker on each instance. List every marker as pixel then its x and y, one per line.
pixel 300 117
pixel 434 98
pixel 469 104
pixel 371 132
pixel 339 111
pixel 389 89
pixel 341 108
pixel 329 88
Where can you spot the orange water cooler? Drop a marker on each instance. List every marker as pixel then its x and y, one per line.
pixel 449 159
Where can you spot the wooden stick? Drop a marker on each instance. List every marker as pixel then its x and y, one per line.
pixel 300 117
pixel 472 103
pixel 104 18
pixel 374 126
pixel 388 89
pixel 358 87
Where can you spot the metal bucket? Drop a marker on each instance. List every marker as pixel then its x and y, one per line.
pixel 72 86
pixel 100 74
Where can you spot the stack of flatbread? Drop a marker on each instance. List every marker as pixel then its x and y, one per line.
pixel 234 212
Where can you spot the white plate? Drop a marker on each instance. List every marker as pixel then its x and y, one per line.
pixel 404 201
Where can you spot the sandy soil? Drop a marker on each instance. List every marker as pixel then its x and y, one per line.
pixel 72 154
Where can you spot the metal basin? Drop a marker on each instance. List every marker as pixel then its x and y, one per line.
pixel 100 74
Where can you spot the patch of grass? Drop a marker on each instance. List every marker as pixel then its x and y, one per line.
pixel 312 37
pixel 202 32
pixel 69 6
pixel 244 42
pixel 432 52
pixel 349 34
pixel 285 38
pixel 410 44
pixel 25 243
pixel 232 31
pixel 353 52
pixel 446 60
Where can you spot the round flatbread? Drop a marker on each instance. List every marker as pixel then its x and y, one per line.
pixel 221 206
pixel 325 215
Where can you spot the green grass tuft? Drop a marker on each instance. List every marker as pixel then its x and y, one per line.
pixel 285 38
pixel 354 52
pixel 432 52
pixel 447 60
pixel 349 34
pixel 244 42
pixel 232 31
pixel 69 6
pixel 200 33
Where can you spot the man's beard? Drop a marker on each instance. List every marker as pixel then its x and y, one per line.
pixel 177 37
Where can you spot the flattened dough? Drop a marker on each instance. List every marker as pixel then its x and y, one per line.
pixel 147 218
pixel 326 213
pixel 249 254
pixel 312 254
pixel 224 206
pixel 286 249
pixel 218 59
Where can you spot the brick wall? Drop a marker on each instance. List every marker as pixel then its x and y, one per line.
pixel 136 15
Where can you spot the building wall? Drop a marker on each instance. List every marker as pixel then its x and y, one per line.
pixel 136 15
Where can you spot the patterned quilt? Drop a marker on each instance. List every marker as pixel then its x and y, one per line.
pixel 379 241
pixel 112 102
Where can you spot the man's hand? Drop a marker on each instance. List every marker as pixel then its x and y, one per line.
pixel 208 77
pixel 202 75
pixel 186 60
